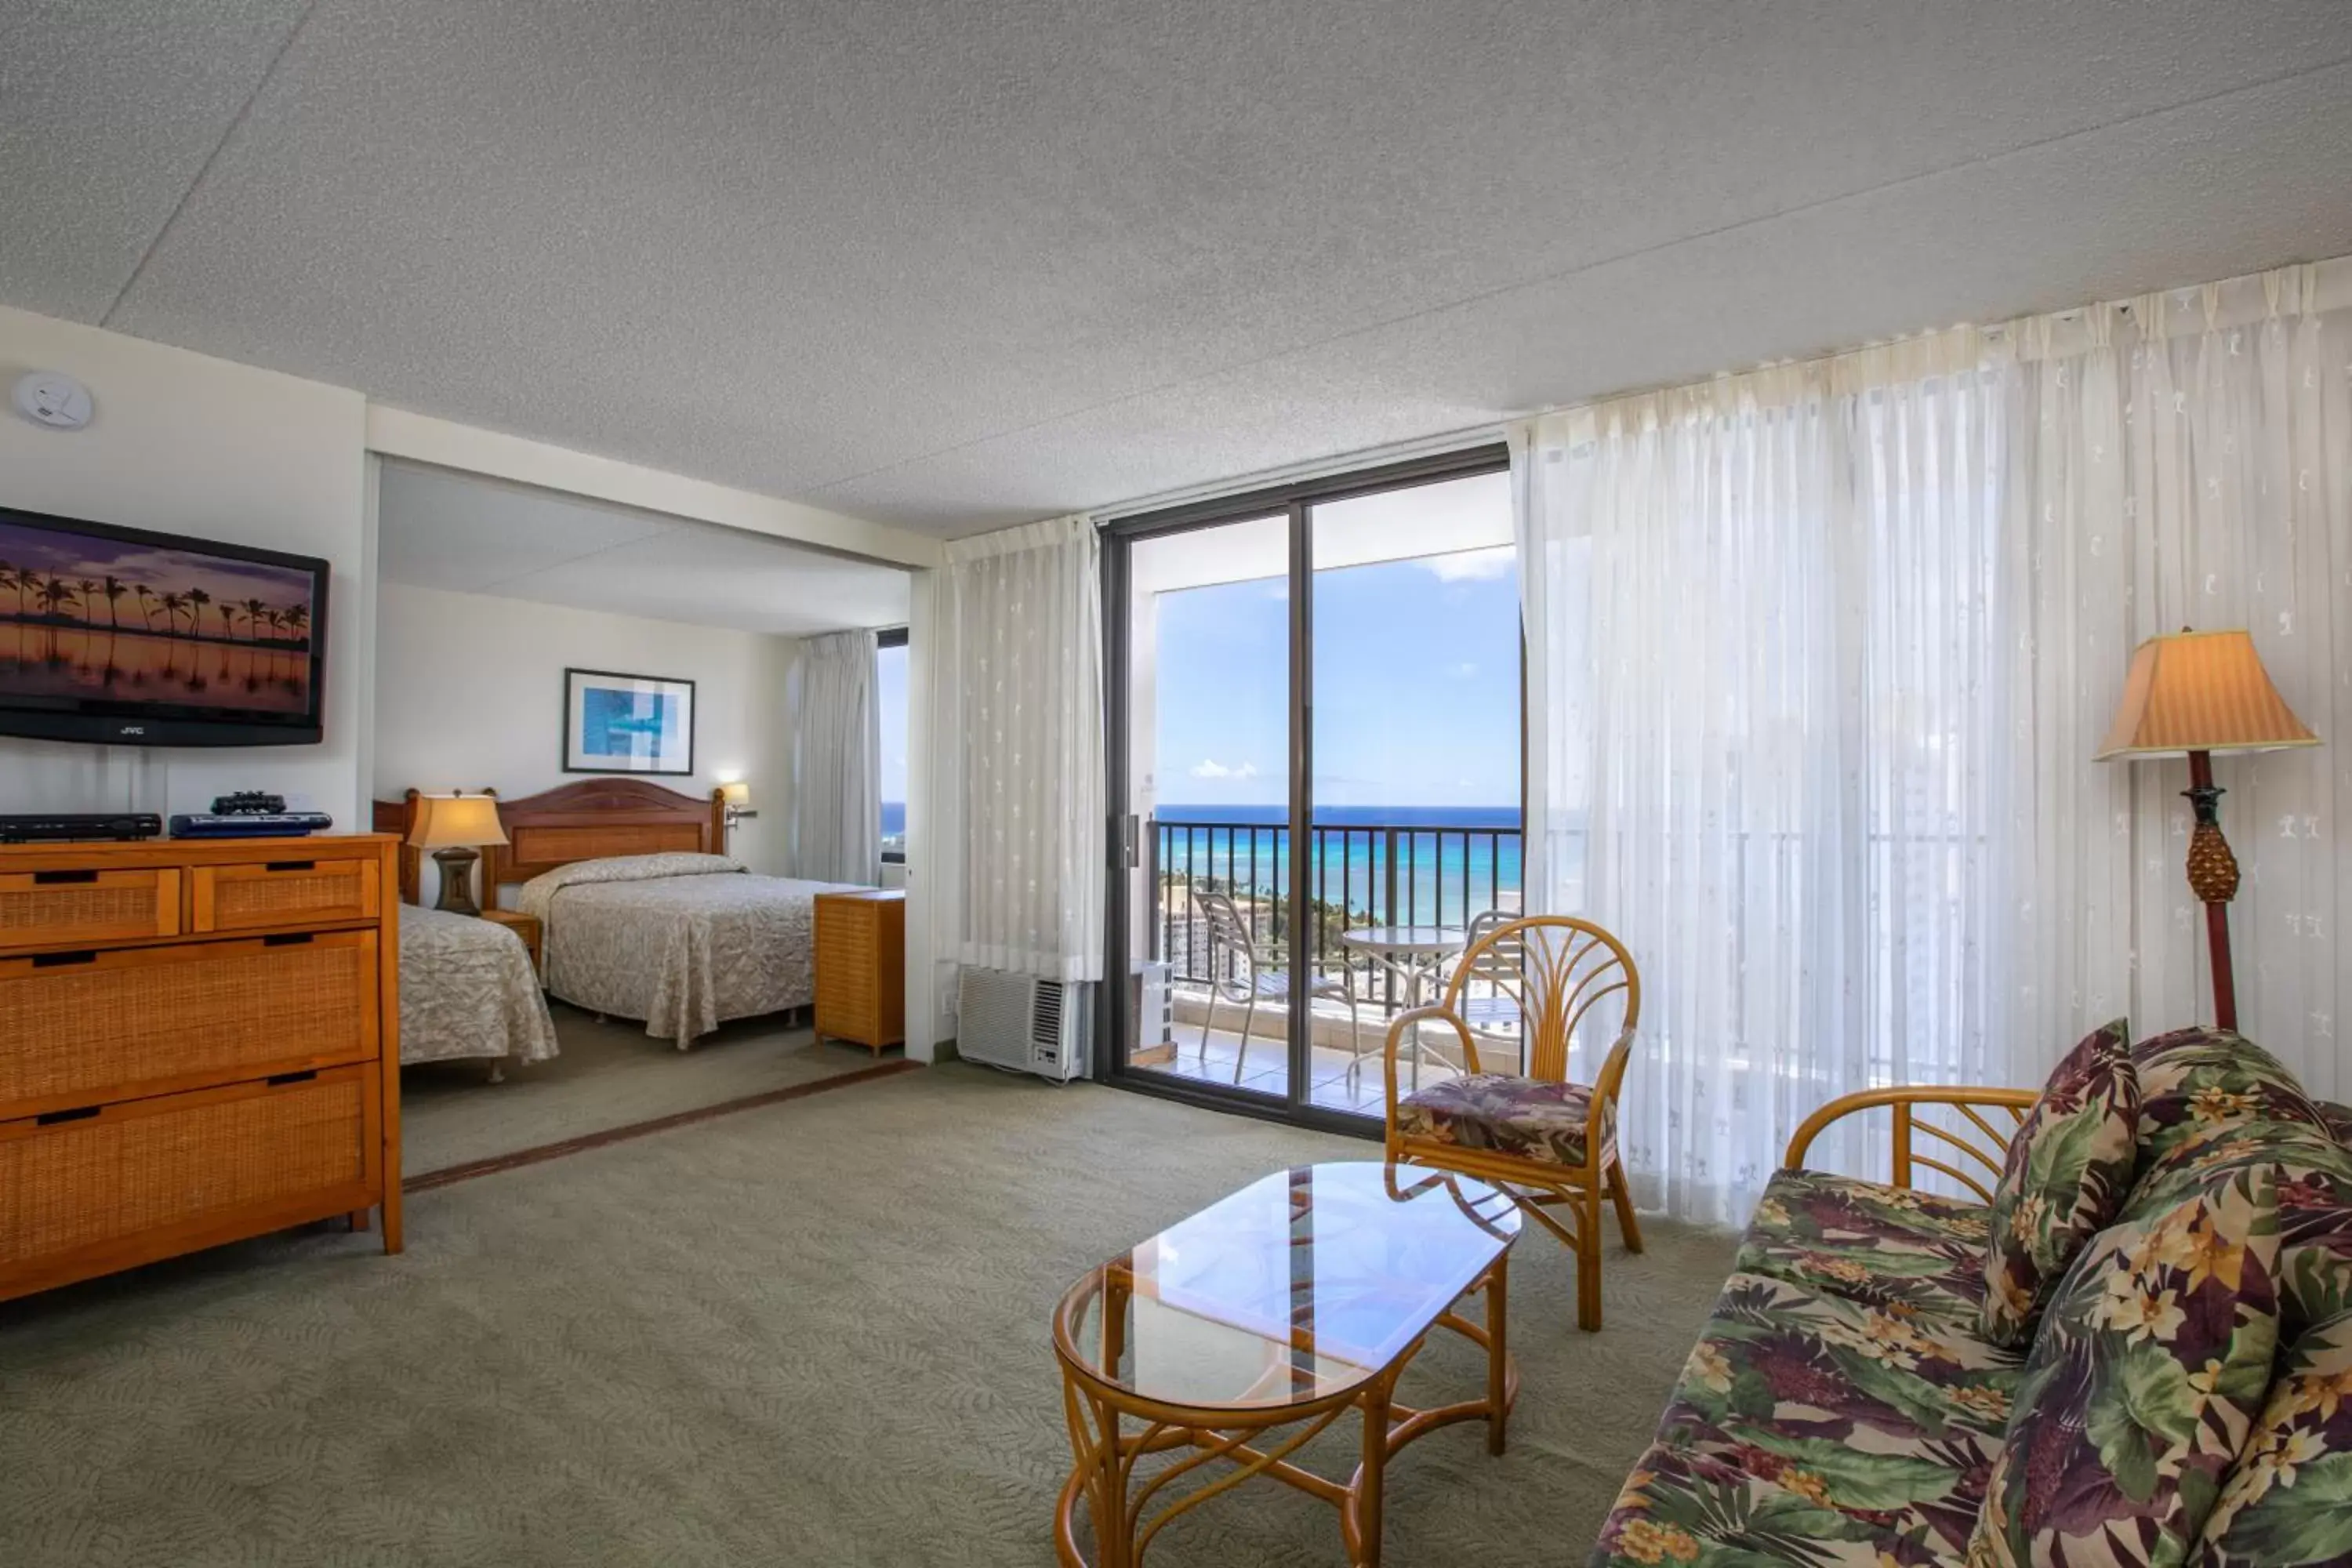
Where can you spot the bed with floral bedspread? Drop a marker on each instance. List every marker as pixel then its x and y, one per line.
pixel 684 942
pixel 467 990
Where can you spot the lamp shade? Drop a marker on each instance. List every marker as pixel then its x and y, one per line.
pixel 456 821
pixel 737 792
pixel 2201 691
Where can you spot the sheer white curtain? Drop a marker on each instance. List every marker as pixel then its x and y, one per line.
pixel 1017 785
pixel 1760 644
pixel 837 801
pixel 2184 458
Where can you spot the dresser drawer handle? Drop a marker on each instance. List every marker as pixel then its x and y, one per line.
pixel 275 1079
pixel 289 939
pixel 79 1114
pixel 291 866
pixel 56 878
pixel 60 960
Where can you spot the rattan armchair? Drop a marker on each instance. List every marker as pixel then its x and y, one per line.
pixel 1551 1143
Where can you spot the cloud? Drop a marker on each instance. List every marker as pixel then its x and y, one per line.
pixel 1465 670
pixel 1471 565
pixel 1210 768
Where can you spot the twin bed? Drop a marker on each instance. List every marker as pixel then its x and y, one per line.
pixel 641 916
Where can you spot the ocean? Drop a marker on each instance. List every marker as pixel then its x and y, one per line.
pixel 1449 862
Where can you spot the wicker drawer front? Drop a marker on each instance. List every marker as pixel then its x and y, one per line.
pixel 45 909
pixel 179 1162
pixel 85 1028
pixel 283 893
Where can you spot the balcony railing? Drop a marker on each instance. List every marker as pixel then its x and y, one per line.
pixel 1356 875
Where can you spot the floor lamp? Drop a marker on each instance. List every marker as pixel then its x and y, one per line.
pixel 2192 694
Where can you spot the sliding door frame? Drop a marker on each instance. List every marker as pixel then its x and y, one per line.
pixel 1295 502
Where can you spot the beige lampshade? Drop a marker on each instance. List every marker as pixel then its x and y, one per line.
pixel 457 821
pixel 737 792
pixel 2201 691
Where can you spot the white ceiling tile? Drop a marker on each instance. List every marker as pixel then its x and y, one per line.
pixel 956 266
pixel 108 111
pixel 439 529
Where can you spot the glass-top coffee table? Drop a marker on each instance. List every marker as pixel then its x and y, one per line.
pixel 1288 1303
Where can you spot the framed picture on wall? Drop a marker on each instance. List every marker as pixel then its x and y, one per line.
pixel 615 723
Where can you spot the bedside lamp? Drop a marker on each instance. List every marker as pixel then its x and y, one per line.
pixel 737 793
pixel 455 826
pixel 2192 694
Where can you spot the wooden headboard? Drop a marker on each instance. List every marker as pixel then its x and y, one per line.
pixel 595 818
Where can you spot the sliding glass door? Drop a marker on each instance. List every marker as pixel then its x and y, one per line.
pixel 1314 771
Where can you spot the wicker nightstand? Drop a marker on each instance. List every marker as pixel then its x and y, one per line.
pixel 861 967
pixel 522 925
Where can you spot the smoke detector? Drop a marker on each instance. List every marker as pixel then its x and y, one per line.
pixel 53 398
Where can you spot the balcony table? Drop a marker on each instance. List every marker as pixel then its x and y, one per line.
pixel 1416 955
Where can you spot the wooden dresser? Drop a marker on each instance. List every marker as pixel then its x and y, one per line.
pixel 861 967
pixel 198 1043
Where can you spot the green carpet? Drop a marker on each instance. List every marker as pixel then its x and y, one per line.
pixel 607 1075
pixel 813 1332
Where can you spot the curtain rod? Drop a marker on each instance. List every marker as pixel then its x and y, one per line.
pixel 1314 469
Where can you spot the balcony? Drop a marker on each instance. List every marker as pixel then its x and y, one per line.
pixel 1358 874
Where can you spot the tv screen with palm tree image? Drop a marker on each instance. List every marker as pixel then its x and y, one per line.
pixel 124 636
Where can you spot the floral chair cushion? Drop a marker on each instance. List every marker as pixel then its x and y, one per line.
pixel 1907 1252
pixel 1517 1116
pixel 2337 1118
pixel 2199 1084
pixel 2065 1176
pixel 2289 1501
pixel 2141 1388
pixel 1812 1430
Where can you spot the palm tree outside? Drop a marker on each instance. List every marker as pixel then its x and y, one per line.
pixel 173 605
pixel 197 600
pixel 115 589
pixel 89 599
pixel 298 617
pixel 146 604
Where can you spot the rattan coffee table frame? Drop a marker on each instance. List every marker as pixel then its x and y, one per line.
pixel 1103 1470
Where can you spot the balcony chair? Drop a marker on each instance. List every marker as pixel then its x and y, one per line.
pixel 1244 972
pixel 1490 1003
pixel 1551 1143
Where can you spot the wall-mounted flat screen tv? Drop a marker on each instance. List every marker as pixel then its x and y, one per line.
pixel 125 638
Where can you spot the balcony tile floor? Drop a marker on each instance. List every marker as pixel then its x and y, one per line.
pixel 1332 1086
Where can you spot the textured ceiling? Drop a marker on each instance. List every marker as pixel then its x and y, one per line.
pixel 439 529
pixel 954 266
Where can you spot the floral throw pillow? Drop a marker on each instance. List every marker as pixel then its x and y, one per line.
pixel 2289 1501
pixel 2066 1174
pixel 2141 1388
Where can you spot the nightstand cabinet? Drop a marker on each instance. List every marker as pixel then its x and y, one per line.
pixel 861 967
pixel 522 925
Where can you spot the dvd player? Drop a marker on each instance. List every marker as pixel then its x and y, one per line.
pixel 64 827
pixel 249 824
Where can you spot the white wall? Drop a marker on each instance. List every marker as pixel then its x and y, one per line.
pixel 470 694
pixel 188 443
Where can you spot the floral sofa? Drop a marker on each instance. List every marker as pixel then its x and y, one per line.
pixel 2177 1391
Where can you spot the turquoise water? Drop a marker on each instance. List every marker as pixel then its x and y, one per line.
pixel 1450 862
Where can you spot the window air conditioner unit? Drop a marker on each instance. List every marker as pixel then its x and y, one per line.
pixel 1023 1023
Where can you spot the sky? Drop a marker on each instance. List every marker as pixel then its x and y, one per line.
pixel 890 697
pixel 1416 686
pixel 1416 660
